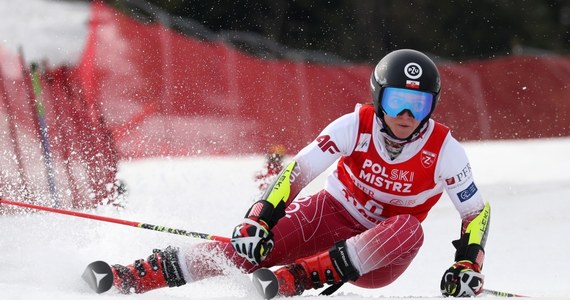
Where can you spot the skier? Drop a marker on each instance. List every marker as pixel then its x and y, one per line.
pixel 364 226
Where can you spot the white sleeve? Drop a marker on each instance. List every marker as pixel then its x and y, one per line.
pixel 455 172
pixel 336 140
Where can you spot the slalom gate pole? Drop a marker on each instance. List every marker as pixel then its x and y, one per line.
pixel 501 294
pixel 197 235
pixel 43 131
pixel 33 89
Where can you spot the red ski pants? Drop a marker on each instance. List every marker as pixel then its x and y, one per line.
pixel 312 225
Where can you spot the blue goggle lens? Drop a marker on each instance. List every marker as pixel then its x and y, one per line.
pixel 396 100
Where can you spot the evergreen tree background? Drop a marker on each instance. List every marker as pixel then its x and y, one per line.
pixel 362 31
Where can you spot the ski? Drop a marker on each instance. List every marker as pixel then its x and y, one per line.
pixel 265 283
pixel 98 276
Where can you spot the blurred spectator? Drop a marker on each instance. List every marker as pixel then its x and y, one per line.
pixel 273 166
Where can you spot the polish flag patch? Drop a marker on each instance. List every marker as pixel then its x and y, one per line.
pixel 412 84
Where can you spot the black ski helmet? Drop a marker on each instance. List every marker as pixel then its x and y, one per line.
pixel 407 69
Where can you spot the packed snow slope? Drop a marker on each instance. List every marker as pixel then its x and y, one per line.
pixel 526 182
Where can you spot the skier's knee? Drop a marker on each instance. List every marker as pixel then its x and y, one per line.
pixel 409 225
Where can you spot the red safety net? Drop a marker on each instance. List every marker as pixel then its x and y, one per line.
pixel 56 148
pixel 167 94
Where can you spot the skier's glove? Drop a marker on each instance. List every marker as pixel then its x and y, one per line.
pixel 462 279
pixel 253 240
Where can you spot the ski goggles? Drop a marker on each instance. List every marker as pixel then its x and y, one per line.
pixel 397 100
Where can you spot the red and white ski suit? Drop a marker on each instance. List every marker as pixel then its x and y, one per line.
pixel 373 202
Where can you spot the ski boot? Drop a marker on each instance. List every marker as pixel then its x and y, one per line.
pixel 331 267
pixel 160 269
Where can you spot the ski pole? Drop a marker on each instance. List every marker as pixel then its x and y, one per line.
pixel 501 294
pixel 198 235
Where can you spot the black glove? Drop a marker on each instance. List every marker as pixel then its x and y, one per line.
pixel 252 240
pixel 462 279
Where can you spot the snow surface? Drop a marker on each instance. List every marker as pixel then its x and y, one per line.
pixel 42 255
pixel 527 182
